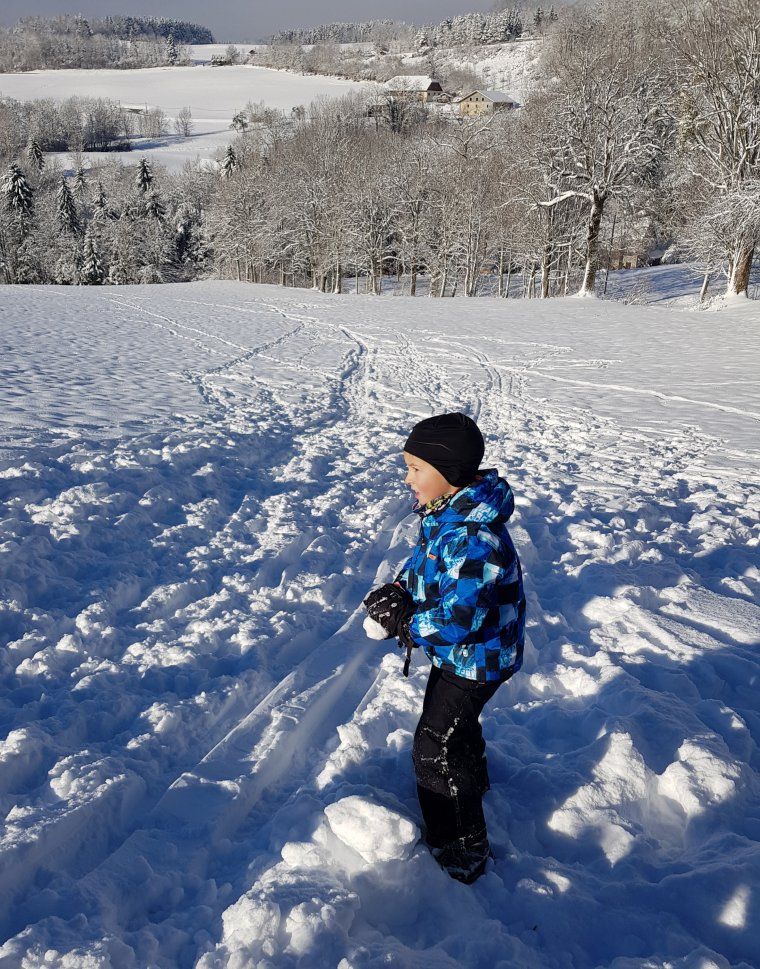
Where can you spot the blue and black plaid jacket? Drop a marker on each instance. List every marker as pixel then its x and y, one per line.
pixel 465 576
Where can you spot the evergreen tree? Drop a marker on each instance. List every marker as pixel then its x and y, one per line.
pixel 101 209
pixel 80 183
pixel 144 177
pixel 154 206
pixel 171 53
pixel 34 155
pixel 19 197
pixel 230 162
pixel 92 272
pixel 538 18
pixel 66 211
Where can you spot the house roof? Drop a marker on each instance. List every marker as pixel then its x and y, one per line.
pixel 411 82
pixel 498 97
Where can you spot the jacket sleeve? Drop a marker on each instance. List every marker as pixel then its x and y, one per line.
pixel 474 580
pixel 403 572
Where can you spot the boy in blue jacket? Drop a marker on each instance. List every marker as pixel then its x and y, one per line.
pixel 460 597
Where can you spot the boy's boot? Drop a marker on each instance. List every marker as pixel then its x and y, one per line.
pixel 466 858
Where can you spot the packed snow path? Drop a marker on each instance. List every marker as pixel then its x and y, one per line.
pixel 204 762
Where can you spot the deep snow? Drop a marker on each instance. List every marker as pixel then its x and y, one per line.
pixel 206 762
pixel 213 94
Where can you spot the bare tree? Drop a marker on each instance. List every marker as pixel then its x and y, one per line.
pixel 183 123
pixel 717 69
pixel 609 120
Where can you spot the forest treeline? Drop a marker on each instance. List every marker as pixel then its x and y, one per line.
pixel 332 48
pixel 642 132
pixel 73 41
pixel 497 26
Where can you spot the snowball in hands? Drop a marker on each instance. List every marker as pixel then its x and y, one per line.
pixel 374 630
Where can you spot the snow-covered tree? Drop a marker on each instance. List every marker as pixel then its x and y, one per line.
pixel 92 272
pixel 18 193
pixel 35 156
pixel 610 126
pixel 183 123
pixel 230 162
pixel 716 59
pixel 80 183
pixel 144 176
pixel 67 217
pixel 154 205
pixel 171 54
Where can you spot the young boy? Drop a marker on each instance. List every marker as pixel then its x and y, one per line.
pixel 460 597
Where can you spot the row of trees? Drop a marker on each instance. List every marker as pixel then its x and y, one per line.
pixel 645 126
pixel 80 124
pixel 499 26
pixel 123 27
pixel 371 31
pixel 318 50
pixel 121 227
pixel 645 120
pixel 473 28
pixel 74 42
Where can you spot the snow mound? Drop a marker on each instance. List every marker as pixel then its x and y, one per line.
pixel 373 831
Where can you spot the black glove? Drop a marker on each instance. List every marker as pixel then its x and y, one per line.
pixel 390 605
pixel 406 642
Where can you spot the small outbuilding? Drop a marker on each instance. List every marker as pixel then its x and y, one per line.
pixel 486 102
pixel 418 86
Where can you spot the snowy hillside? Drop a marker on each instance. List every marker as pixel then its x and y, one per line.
pixel 213 95
pixel 204 762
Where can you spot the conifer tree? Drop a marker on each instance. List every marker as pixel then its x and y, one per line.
pixel 92 272
pixel 80 183
pixel 171 53
pixel 66 211
pixel 35 155
pixel 154 205
pixel 230 162
pixel 19 197
pixel 144 177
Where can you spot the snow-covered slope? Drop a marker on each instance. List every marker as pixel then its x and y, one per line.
pixel 213 94
pixel 204 761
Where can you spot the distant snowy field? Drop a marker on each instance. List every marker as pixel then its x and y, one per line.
pixel 204 762
pixel 213 94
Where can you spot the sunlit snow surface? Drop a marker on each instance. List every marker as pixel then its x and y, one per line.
pixel 213 94
pixel 204 760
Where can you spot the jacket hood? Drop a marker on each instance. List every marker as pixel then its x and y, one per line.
pixel 485 500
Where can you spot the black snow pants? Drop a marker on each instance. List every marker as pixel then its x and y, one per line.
pixel 449 758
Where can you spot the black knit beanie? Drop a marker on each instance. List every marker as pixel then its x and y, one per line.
pixel 452 443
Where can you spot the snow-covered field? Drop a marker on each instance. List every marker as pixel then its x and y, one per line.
pixel 205 762
pixel 213 94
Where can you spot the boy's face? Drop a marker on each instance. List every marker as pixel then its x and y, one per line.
pixel 425 481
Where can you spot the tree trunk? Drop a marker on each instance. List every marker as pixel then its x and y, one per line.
pixel 532 281
pixel 738 280
pixel 500 289
pixel 703 291
pixel 592 245
pixel 546 263
pixel 509 275
pixel 338 287
pixel 609 254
